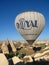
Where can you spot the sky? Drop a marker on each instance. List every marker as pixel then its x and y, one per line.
pixel 9 9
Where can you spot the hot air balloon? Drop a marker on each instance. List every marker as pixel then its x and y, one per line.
pixel 30 24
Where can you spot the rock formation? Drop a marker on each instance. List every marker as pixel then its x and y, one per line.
pixel 3 60
pixel 12 46
pixel 7 47
pixel 4 48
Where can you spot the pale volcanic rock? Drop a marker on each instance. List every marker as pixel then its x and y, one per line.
pixel 41 54
pixel 37 55
pixel 4 48
pixel 12 46
pixel 28 59
pixel 46 48
pixel 16 60
pixel 3 60
pixel 44 55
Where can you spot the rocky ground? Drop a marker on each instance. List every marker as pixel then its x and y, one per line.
pixel 23 53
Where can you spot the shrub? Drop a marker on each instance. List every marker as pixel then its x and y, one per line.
pixel 25 44
pixel 22 55
pixel 43 46
pixel 36 48
pixel 10 55
pixel 17 53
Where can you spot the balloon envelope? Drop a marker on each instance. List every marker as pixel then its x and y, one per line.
pixel 30 24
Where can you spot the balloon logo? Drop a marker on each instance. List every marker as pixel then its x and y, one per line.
pixel 30 24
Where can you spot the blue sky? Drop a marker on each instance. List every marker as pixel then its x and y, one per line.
pixel 9 9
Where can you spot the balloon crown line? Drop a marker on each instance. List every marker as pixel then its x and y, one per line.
pixel 31 11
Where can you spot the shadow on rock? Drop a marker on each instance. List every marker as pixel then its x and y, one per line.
pixel 11 62
pixel 40 62
pixel 20 63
